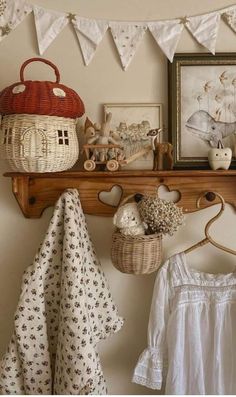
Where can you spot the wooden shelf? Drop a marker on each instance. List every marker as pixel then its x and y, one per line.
pixel 35 192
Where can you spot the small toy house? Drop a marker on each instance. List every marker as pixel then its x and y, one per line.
pixel 38 129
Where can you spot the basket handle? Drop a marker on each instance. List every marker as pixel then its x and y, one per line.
pixel 125 200
pixel 40 60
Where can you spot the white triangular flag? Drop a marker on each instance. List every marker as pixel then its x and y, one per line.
pixel 167 35
pixel 12 12
pixel 205 28
pixel 127 37
pixel 230 18
pixel 90 33
pixel 48 24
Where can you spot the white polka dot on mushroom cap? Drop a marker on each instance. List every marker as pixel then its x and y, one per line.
pixel 18 89
pixel 59 92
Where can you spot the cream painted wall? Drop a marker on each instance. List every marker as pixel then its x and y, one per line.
pixel 104 81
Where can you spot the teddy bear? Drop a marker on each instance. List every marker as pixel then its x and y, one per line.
pixel 128 220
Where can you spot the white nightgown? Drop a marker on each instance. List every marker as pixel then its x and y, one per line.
pixel 191 332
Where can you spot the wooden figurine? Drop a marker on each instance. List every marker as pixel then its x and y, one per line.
pixel 163 152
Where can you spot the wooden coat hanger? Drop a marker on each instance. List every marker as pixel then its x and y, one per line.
pixel 208 239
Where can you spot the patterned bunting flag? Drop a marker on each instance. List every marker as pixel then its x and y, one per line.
pixel 48 24
pixel 127 37
pixel 12 12
pixel 205 28
pixel 230 18
pixel 90 33
pixel 167 35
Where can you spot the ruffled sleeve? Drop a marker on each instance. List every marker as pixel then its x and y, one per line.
pixel 152 364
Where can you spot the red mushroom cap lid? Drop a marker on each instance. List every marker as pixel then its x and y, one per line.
pixel 41 97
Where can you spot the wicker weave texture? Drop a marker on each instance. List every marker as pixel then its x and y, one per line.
pixel 41 97
pixel 138 254
pixel 33 143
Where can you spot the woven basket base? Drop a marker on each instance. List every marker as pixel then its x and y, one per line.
pixel 38 143
pixel 136 255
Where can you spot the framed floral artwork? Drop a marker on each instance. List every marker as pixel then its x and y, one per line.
pixel 202 106
pixel 131 122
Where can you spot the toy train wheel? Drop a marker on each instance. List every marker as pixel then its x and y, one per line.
pixel 89 165
pixel 112 165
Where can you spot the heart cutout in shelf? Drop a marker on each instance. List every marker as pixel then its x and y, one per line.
pixel 169 195
pixel 111 197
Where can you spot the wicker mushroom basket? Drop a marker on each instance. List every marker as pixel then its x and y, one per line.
pixel 140 254
pixel 38 128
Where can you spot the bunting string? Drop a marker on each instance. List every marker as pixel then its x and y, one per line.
pixel 127 35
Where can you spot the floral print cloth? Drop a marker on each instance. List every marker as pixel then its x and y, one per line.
pixel 65 308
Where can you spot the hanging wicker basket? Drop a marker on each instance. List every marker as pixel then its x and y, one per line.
pixel 136 254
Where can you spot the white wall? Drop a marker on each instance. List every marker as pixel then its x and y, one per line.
pixel 101 82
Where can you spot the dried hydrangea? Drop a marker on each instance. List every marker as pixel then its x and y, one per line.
pixel 160 216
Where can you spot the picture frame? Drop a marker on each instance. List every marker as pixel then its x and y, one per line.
pixel 202 98
pixel 132 121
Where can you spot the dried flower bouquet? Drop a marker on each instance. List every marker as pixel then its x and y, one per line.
pixel 159 215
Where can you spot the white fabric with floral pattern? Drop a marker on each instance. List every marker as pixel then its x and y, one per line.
pixel 191 332
pixel 65 308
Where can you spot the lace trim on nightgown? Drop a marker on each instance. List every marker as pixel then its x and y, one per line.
pixel 151 368
pixel 187 294
pixel 191 287
pixel 146 382
pixel 183 274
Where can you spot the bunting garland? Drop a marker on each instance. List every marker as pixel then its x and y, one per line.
pixel 48 26
pixel 167 35
pixel 230 18
pixel 90 33
pixel 127 36
pixel 204 29
pixel 12 12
